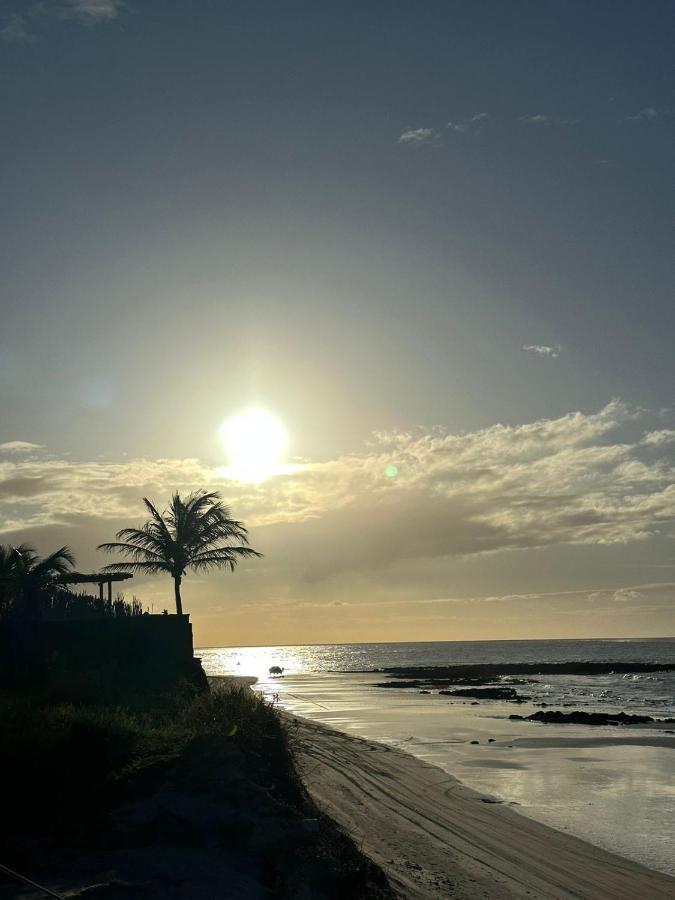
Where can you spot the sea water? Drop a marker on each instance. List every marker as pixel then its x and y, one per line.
pixel 613 786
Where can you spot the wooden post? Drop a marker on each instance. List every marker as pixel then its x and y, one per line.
pixel 110 591
pixel 100 591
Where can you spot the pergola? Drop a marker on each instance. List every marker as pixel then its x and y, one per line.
pixel 99 578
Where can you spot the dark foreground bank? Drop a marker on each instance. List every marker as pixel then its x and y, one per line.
pixel 189 796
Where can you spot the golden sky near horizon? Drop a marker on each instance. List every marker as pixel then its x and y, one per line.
pixel 550 529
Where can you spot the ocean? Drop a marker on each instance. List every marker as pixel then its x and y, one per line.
pixel 653 694
pixel 613 786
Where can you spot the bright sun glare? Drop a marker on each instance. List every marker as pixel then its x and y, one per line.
pixel 255 441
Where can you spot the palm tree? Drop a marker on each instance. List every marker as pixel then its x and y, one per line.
pixel 196 533
pixel 24 575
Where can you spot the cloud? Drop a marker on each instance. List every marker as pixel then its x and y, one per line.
pixel 15 30
pixel 541 119
pixel 93 11
pixel 469 124
pixel 19 488
pixel 626 595
pixel 19 447
pixel 633 594
pixel 543 350
pixel 22 27
pixel 649 113
pixel 569 480
pixel 415 137
pixel 659 438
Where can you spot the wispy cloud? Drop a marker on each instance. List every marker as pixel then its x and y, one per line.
pixel 19 447
pixel 543 350
pixel 470 124
pixel 536 119
pixel 648 114
pixel 15 29
pixel 416 137
pixel 659 438
pixel 541 119
pixel 21 27
pixel 93 11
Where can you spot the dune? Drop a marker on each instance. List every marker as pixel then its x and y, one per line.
pixel 434 838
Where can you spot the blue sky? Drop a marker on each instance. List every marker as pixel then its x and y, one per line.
pixel 357 216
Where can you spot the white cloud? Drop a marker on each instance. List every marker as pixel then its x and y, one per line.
pixel 626 595
pixel 536 119
pixel 541 119
pixel 469 124
pixel 659 438
pixel 22 27
pixel 633 594
pixel 644 115
pixel 93 11
pixel 19 447
pixel 415 137
pixel 543 350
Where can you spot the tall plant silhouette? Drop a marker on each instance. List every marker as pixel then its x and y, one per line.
pixel 196 533
pixel 25 576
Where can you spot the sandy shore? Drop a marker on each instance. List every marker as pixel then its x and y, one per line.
pixel 436 838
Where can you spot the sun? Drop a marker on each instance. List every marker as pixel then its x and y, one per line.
pixel 254 441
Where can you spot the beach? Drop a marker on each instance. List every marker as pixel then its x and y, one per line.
pixel 466 788
pixel 610 786
pixel 433 837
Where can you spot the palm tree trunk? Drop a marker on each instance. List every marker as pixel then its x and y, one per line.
pixel 179 602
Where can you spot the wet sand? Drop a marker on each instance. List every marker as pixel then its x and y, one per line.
pixel 611 787
pixel 436 838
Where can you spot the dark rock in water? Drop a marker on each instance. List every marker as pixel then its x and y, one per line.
pixel 474 742
pixel 398 681
pixel 492 670
pixel 425 692
pixel 491 740
pixel 492 693
pixel 579 717
pixel 475 703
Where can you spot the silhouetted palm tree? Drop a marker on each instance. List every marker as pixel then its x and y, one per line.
pixel 196 533
pixel 24 575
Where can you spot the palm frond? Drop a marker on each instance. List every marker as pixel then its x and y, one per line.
pixel 144 537
pixel 157 517
pixel 149 566
pixel 132 550
pixel 57 563
pixel 224 556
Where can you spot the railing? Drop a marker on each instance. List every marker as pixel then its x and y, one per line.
pixel 29 881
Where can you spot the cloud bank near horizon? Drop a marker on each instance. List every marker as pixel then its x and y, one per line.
pixel 578 479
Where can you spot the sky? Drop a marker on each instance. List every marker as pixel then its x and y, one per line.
pixel 433 238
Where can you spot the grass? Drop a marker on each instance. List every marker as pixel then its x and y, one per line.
pixel 65 768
